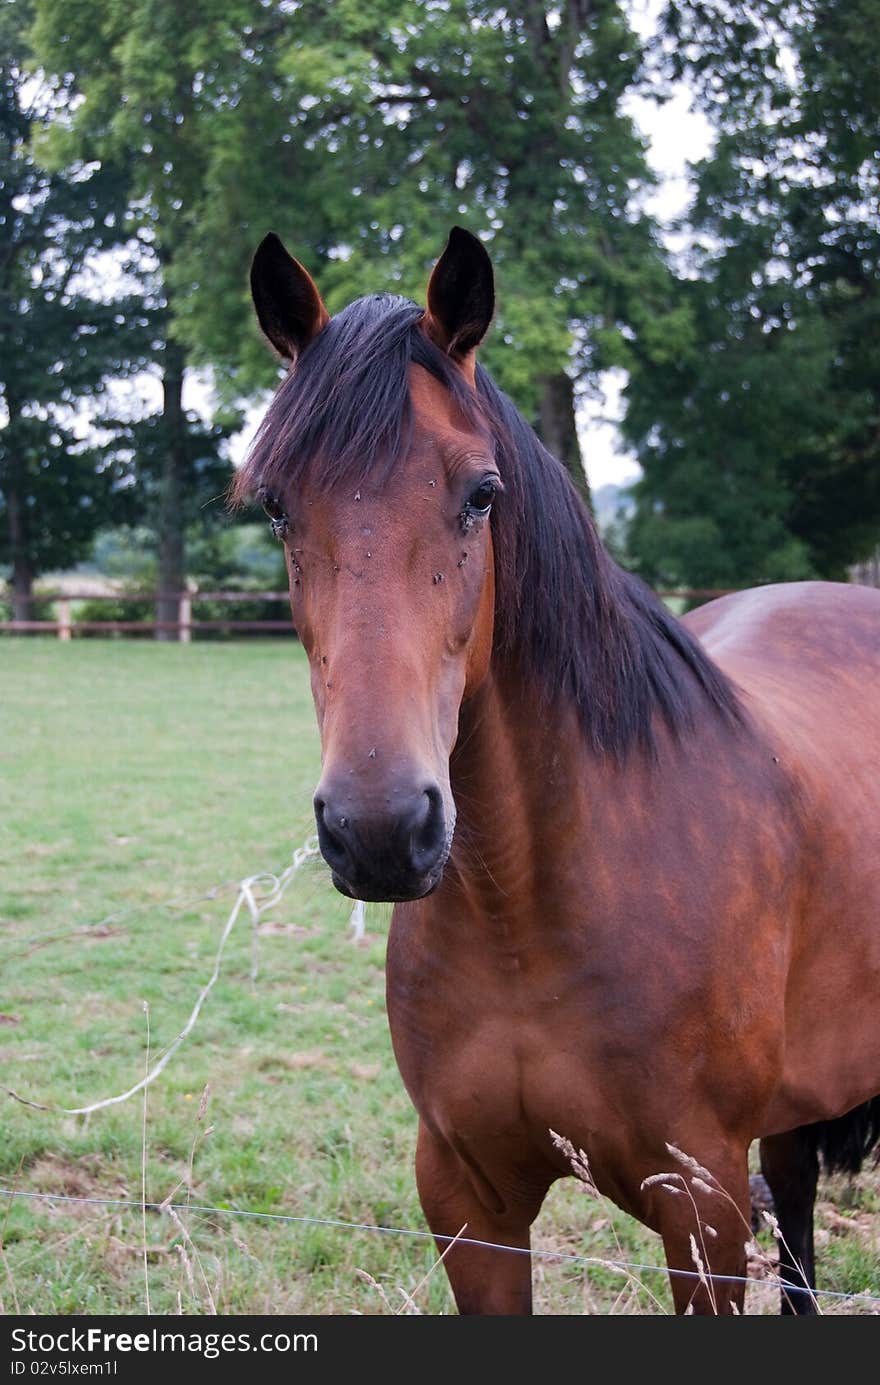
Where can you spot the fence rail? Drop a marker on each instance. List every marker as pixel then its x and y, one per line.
pixel 66 625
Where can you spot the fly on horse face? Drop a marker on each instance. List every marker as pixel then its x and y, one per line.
pixel 635 861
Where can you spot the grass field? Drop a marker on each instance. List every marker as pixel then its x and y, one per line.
pixel 138 784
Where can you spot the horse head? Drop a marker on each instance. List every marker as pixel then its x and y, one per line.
pixel 378 470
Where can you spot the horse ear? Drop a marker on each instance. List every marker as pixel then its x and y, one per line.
pixel 287 301
pixel 461 294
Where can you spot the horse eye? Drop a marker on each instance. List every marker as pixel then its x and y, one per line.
pixel 271 505
pixel 480 500
pixel 275 510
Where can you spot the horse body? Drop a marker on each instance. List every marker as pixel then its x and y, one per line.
pixel 543 987
pixel 637 901
pixel 742 939
pixel 807 657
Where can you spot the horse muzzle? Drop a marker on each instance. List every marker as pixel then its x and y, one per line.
pixel 391 854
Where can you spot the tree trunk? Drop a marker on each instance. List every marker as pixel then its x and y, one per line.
pixel 22 568
pixel 172 563
pixel 20 555
pixel 558 429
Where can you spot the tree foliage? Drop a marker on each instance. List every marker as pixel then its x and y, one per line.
pixel 761 443
pixel 362 134
pixel 61 339
pixel 142 73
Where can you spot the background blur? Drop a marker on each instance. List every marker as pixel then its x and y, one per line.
pixel 681 201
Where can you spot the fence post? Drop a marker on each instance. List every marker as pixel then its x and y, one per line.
pixel 64 619
pixel 184 618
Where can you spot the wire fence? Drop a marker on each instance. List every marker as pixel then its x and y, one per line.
pixel 536 1253
pixel 256 895
pixel 274 887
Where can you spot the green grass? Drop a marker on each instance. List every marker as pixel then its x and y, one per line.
pixel 135 780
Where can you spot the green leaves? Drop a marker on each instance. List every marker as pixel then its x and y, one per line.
pixel 362 136
pixel 767 424
pixel 60 344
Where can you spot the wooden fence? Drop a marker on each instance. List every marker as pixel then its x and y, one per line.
pixel 66 624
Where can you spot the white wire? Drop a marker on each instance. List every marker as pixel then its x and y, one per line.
pixel 428 1236
pixel 256 906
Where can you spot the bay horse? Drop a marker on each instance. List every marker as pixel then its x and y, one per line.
pixel 635 861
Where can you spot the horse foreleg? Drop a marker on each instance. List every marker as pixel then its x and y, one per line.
pixel 791 1167
pixel 705 1225
pixel 483 1280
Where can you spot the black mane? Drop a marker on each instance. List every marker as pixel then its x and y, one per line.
pixel 567 617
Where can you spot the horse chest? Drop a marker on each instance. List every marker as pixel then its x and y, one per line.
pixel 491 1083
pixel 496 1047
pixel 485 1062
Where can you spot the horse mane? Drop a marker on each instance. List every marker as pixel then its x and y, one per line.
pixel 567 617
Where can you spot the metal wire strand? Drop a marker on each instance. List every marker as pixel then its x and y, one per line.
pixel 551 1255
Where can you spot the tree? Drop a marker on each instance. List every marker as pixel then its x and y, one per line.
pixel 143 73
pixel 58 344
pixel 400 120
pixel 761 446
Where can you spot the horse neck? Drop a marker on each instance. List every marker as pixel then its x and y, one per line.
pixel 526 785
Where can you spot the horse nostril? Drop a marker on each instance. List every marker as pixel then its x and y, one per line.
pixel 330 834
pixel 429 834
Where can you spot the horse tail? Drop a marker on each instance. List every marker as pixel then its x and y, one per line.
pixel 843 1144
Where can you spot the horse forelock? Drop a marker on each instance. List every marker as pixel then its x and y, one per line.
pixel 343 413
pixel 566 617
